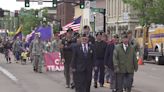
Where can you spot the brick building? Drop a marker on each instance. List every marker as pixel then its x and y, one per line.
pixel 65 12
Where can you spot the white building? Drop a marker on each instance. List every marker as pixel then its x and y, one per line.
pixel 120 16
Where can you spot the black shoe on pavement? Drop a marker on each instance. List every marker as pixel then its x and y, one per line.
pixel 101 85
pixel 72 85
pixel 95 84
pixel 67 86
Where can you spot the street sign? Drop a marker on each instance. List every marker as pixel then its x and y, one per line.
pixel 100 10
pixel 87 4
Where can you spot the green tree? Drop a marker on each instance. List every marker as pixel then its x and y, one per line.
pixel 29 19
pixel 150 11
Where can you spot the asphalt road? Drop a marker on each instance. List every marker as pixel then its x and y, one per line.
pixel 20 78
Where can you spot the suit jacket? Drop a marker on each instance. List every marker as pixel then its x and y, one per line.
pixel 108 59
pixel 81 63
pixel 124 61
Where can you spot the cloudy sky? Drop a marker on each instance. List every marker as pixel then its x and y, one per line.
pixel 12 5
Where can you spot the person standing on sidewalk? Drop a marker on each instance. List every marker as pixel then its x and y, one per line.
pixel 125 64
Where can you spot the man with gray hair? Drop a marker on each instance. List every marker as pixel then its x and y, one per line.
pixel 125 64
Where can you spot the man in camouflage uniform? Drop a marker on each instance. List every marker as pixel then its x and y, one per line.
pixel 36 49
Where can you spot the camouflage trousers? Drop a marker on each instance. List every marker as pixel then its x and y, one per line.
pixel 37 63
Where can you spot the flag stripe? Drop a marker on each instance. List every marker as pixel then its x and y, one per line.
pixel 75 25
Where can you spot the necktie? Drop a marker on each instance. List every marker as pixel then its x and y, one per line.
pixel 85 50
pixel 126 47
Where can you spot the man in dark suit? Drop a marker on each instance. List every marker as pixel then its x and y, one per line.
pixel 82 65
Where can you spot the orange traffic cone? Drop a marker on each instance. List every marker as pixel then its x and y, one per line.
pixel 140 61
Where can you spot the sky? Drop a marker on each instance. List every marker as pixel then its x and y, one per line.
pixel 13 5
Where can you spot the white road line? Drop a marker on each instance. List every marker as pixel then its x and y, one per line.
pixel 8 74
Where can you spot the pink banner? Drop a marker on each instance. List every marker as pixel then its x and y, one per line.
pixel 53 61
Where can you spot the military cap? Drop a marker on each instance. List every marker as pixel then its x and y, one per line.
pixel 70 30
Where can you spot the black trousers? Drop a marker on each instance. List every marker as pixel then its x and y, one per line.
pixel 99 73
pixel 82 81
pixel 67 72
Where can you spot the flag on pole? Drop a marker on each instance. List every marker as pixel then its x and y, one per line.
pixel 75 25
pixel 19 32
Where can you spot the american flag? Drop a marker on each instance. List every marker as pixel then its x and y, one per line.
pixel 75 25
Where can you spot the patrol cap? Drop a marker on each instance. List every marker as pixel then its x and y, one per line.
pixel 99 33
pixel 70 30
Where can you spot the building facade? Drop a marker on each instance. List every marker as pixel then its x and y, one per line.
pixel 65 12
pixel 120 17
pixel 99 18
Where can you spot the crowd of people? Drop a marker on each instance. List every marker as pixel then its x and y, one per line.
pixel 109 60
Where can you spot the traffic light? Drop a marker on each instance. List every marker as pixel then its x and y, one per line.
pixel 54 3
pixel 82 4
pixel 27 3
pixel 1 12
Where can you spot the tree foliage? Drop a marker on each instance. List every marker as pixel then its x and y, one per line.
pixel 150 11
pixel 29 19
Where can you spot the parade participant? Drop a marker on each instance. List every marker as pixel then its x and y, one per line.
pixel 82 64
pixel 17 49
pixel 67 55
pixel 56 43
pixel 99 70
pixel 37 49
pixel 125 63
pixel 109 61
pixel 7 50
pixel 86 30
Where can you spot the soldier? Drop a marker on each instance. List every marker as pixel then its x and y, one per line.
pixel 82 65
pixel 56 43
pixel 99 70
pixel 67 55
pixel 37 49
pixel 125 63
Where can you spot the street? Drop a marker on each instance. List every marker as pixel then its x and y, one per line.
pixel 149 78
